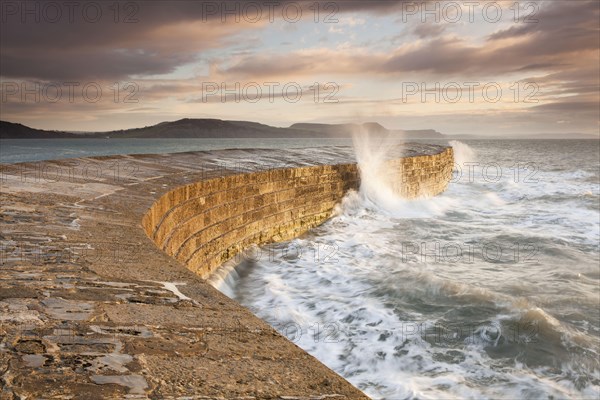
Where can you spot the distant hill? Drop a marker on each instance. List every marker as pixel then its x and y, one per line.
pixel 209 128
pixel 216 128
pixel 9 130
pixel 184 128
pixel 345 130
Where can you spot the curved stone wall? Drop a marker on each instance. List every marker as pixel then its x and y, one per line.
pixel 206 223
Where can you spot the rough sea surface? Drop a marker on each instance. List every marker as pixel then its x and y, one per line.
pixel 490 290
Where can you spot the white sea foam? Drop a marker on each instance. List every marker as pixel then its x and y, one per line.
pixel 400 325
pixel 377 190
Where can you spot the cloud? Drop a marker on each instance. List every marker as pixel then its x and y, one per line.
pixel 559 52
pixel 142 50
pixel 429 30
pixel 142 38
pixel 566 36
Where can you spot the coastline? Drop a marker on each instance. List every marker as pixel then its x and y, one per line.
pixel 93 306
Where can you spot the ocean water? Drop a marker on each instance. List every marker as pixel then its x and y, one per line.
pixel 490 290
pixel 22 150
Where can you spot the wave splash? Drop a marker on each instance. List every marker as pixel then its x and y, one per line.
pixel 378 189
pixel 400 327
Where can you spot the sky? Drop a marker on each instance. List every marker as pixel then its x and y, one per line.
pixel 459 67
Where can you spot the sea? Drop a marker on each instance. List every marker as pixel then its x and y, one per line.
pixel 23 150
pixel 490 290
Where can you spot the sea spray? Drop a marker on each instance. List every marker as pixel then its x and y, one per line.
pixel 372 152
pixel 380 185
pixel 463 153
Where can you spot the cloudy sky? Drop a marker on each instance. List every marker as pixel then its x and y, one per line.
pixel 460 67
